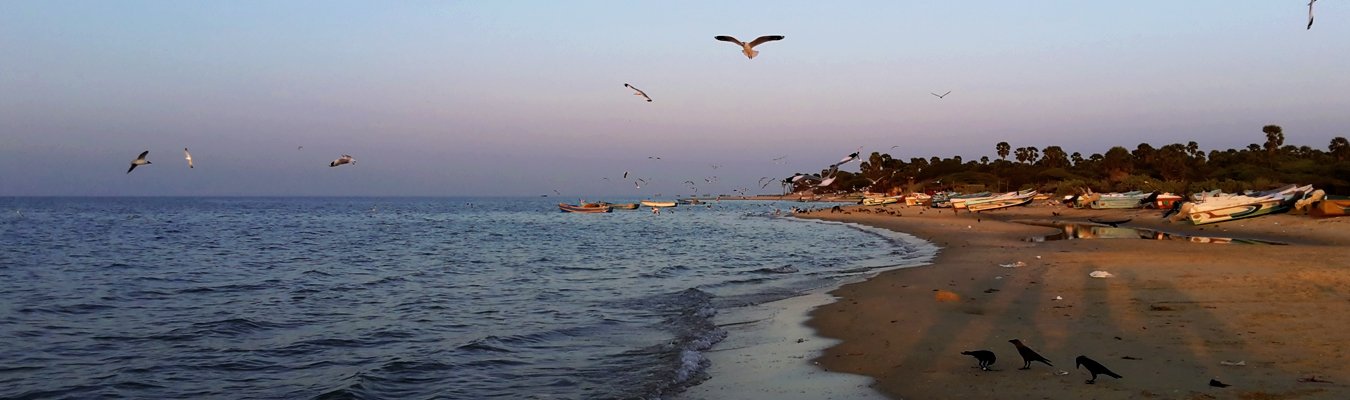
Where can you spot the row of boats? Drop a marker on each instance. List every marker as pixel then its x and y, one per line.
pixel 983 201
pixel 603 207
pixel 1199 208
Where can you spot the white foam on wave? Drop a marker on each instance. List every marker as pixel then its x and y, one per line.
pixel 768 350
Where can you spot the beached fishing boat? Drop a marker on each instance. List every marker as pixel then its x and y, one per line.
pixel 877 201
pixel 1166 200
pixel 917 199
pixel 1010 199
pixel 585 208
pixel 1228 208
pixel 657 204
pixel 1102 201
pixel 949 200
pixel 1331 206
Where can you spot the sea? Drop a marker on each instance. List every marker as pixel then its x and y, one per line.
pixel 395 298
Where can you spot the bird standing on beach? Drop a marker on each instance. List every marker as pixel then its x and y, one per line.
pixel 1094 368
pixel 1028 355
pixel 188 156
pixel 1310 13
pixel 345 159
pixel 747 48
pixel 140 160
pixel 638 92
pixel 985 357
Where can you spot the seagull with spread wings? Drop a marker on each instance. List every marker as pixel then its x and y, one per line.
pixel 748 48
pixel 638 92
pixel 345 159
pixel 941 95
pixel 188 156
pixel 140 160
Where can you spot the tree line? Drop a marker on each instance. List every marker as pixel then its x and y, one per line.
pixel 1177 168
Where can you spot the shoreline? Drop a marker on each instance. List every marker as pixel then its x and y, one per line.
pixel 1174 314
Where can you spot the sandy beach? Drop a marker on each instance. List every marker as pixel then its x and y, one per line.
pixel 1175 314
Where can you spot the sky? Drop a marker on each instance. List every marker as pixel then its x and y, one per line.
pixel 522 98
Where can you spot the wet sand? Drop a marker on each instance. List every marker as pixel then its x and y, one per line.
pixel 1169 320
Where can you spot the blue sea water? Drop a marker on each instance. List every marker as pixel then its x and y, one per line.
pixel 392 298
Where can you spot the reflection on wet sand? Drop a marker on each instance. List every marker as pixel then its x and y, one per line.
pixel 1094 231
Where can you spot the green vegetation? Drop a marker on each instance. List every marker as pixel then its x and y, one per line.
pixel 1178 168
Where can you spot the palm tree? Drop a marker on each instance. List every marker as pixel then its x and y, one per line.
pixel 1002 148
pixel 1274 138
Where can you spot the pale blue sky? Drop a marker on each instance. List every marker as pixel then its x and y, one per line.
pixel 525 97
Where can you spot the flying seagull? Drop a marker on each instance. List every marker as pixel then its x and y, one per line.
pixel 345 159
pixel 140 160
pixel 639 92
pixel 850 157
pixel 747 47
pixel 941 95
pixel 188 156
pixel 1310 14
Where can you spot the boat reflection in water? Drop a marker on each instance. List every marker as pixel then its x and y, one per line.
pixel 1093 231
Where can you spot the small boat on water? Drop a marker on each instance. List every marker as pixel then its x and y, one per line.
pixel 625 206
pixel 585 208
pixel 691 201
pixel 658 204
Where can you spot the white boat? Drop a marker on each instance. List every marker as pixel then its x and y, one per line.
pixel 657 204
pixel 876 201
pixel 1006 200
pixel 1230 207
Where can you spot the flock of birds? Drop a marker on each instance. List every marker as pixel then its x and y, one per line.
pixel 141 160
pixel 986 358
pixel 747 48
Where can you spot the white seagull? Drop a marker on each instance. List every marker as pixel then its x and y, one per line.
pixel 941 95
pixel 140 160
pixel 188 156
pixel 747 48
pixel 638 92
pixel 345 159
pixel 1310 14
pixel 850 157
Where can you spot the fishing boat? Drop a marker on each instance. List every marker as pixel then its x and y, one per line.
pixel 585 208
pixel 625 206
pixel 1010 199
pixel 877 201
pixel 657 204
pixel 1166 200
pixel 1228 208
pixel 1330 206
pixel 1103 201
pixel 950 200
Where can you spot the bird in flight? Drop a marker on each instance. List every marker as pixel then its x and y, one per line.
pixel 638 92
pixel 1310 14
pixel 345 159
pixel 188 156
pixel 140 160
pixel 747 48
pixel 941 95
pixel 850 157
pixel 653 157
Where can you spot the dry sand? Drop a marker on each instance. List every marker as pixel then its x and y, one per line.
pixel 1172 315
